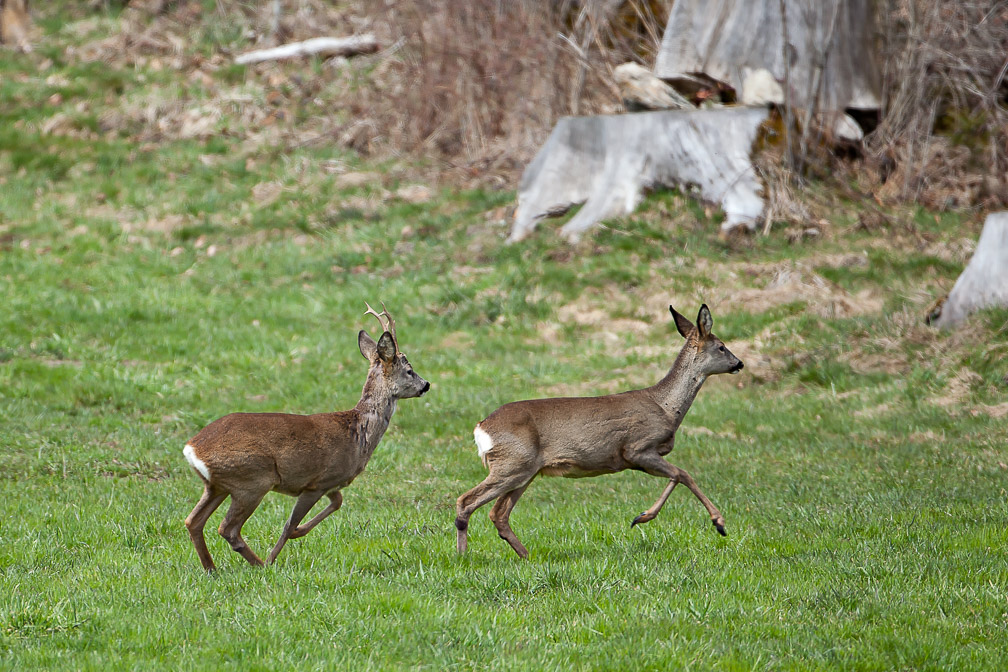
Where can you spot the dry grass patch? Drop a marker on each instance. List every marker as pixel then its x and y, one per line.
pixel 995 411
pixel 795 281
pixel 957 389
pixel 892 362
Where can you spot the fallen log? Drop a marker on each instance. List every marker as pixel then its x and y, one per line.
pixel 640 90
pixel 984 281
pixel 317 46
pixel 606 162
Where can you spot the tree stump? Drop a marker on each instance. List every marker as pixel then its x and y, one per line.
pixel 606 162
pixel 984 281
pixel 821 52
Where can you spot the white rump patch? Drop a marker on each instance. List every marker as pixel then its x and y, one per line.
pixel 483 442
pixel 198 464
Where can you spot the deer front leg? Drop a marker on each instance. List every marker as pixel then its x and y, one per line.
pixel 653 463
pixel 304 504
pixel 652 512
pixel 335 502
pixel 716 518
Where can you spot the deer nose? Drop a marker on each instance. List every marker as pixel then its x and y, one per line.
pixel 426 386
pixel 738 367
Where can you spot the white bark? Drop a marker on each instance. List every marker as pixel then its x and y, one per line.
pixel 606 162
pixel 322 46
pixel 984 281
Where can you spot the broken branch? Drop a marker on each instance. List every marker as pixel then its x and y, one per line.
pixel 317 46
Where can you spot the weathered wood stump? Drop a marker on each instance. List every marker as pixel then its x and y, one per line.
pixel 984 281
pixel 606 162
pixel 821 52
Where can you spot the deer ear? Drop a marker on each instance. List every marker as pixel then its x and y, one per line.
pixel 682 323
pixel 386 347
pixel 704 322
pixel 367 345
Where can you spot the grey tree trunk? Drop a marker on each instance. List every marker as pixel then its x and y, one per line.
pixel 606 162
pixel 984 281
pixel 831 65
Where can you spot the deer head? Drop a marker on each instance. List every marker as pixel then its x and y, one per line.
pixel 390 369
pixel 712 357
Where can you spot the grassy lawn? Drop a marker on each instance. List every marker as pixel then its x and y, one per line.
pixel 860 460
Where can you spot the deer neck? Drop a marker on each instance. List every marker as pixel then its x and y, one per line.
pixel 677 390
pixel 374 412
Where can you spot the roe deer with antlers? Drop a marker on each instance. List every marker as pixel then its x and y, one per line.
pixel 589 436
pixel 246 455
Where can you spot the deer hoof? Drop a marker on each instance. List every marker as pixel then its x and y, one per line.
pixel 638 519
pixel 720 528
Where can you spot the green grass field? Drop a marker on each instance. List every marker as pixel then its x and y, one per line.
pixel 860 460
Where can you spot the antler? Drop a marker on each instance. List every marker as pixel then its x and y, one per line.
pixel 388 324
pixel 391 324
pixel 371 311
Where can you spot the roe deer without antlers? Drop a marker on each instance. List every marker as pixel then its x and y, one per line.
pixel 589 436
pixel 246 455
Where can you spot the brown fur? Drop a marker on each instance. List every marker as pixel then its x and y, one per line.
pixel 304 456
pixel 15 24
pixel 298 452
pixel 576 437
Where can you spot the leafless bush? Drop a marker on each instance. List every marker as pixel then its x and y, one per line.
pixel 480 83
pixel 943 137
pixel 474 73
pixel 476 85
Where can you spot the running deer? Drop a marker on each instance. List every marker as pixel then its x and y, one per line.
pixel 589 436
pixel 246 455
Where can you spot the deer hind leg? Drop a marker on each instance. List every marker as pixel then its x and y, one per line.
pixel 242 506
pixel 492 487
pixel 501 512
pixel 654 464
pixel 196 520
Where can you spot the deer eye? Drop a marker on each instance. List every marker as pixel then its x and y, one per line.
pixel 721 348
